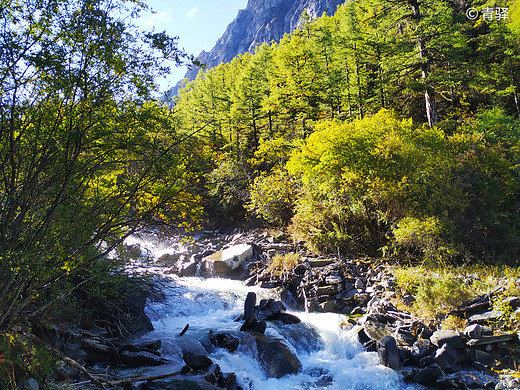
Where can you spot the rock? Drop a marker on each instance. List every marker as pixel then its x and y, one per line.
pixel 228 381
pixel 270 309
pixel 473 382
pixel 249 305
pixel 333 279
pixel 447 336
pixel 327 307
pixel 404 337
pixel 420 349
pixel 359 284
pixel 487 316
pixel 226 341
pixel 473 331
pixel 97 351
pixel 221 263
pixel 149 345
pixel 492 340
pixel 427 377
pixel 287 318
pixel 320 262
pixel 252 323
pixel 197 361
pixel 328 290
pixel 376 330
pixel 143 358
pixel 31 384
pixel 448 358
pixel 388 352
pixel 276 358
pixel 484 358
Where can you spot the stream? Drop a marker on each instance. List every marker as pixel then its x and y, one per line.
pixel 327 347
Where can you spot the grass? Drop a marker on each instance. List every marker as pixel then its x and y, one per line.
pixel 439 290
pixel 283 264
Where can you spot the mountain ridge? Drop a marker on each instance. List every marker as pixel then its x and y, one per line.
pixel 261 21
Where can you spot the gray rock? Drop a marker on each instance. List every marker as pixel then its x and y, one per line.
pixel 276 358
pixel 252 323
pixel 138 359
pixel 473 331
pixel 330 289
pixel 333 279
pixel 359 284
pixel 447 336
pixel 226 341
pixel 249 305
pixel 31 384
pixel 487 316
pixel 376 330
pixel 221 263
pixel 197 361
pixel 388 352
pixel 448 358
pixel 427 377
pixel 484 358
pixel 421 348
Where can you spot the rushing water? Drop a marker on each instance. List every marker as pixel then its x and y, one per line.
pixel 331 356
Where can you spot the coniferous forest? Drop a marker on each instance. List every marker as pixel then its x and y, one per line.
pixel 389 129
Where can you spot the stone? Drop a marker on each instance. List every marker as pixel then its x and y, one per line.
pixel 138 359
pixel 447 336
pixel 197 361
pixel 448 358
pixel 333 279
pixel 252 323
pixel 487 316
pixel 327 307
pixel 473 331
pixel 287 318
pixel 404 337
pixel 427 377
pixel 31 384
pixel 376 330
pixel 276 358
pixel 97 351
pixel 492 340
pixel 420 349
pixel 330 289
pixel 359 284
pixel 320 262
pixel 472 381
pixel 484 358
pixel 388 352
pixel 222 262
pixel 249 305
pixel 226 341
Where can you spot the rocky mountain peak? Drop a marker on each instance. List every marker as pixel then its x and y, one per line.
pixel 261 21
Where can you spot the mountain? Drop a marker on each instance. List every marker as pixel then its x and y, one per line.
pixel 261 21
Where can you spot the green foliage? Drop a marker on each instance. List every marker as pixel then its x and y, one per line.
pixel 381 182
pixel 436 291
pixel 273 196
pixel 86 159
pixel 20 356
pixel 283 264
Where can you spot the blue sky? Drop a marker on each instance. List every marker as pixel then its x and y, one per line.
pixel 197 23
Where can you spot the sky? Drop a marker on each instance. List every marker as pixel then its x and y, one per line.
pixel 197 23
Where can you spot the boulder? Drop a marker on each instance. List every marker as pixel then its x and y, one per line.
pixel 427 377
pixel 226 341
pixel 388 352
pixel 420 349
pixel 287 318
pixel 473 331
pixel 252 323
pixel 197 361
pixel 276 358
pixel 376 330
pixel 447 336
pixel 222 262
pixel 448 358
pixel 249 305
pixel 138 359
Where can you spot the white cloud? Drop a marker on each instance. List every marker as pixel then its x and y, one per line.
pixel 159 18
pixel 192 13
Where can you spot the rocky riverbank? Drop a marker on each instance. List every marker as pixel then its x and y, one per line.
pixel 361 289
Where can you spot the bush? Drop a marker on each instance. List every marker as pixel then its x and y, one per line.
pixel 382 183
pixel 273 196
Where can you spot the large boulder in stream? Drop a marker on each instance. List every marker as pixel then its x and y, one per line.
pixel 221 263
pixel 276 358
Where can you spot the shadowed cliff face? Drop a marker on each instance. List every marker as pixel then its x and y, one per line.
pixel 261 21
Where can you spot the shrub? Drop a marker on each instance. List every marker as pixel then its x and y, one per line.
pixel 382 183
pixel 273 195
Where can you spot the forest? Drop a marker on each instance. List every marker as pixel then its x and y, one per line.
pixel 388 128
pixel 391 128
